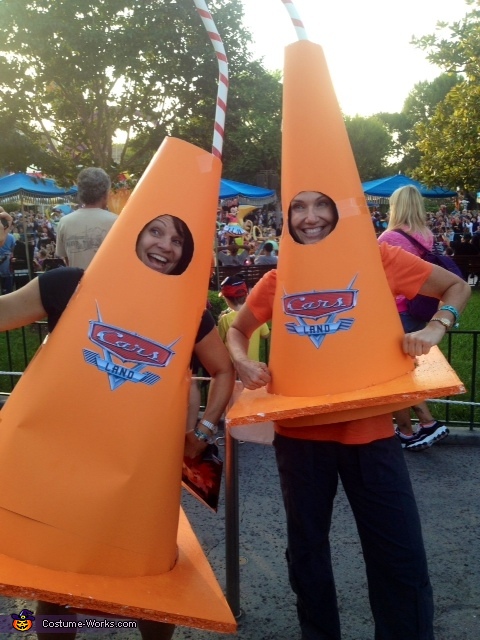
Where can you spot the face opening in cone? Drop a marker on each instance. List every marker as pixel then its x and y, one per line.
pixel 312 216
pixel 165 245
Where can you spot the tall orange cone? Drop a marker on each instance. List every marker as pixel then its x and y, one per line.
pixel 353 310
pixel 336 343
pixel 92 437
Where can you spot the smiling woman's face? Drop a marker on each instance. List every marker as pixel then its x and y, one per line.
pixel 313 217
pixel 160 245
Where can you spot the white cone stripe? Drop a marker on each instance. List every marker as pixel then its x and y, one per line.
pixel 222 93
pixel 297 21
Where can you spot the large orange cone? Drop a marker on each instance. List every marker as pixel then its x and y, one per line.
pixel 336 327
pixel 91 439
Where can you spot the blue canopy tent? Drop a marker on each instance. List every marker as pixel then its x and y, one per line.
pixel 246 193
pixel 31 188
pixel 384 187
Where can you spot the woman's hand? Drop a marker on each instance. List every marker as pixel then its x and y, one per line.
pixel 193 446
pixel 420 342
pixel 253 374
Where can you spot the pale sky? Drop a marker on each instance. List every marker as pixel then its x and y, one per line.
pixel 366 43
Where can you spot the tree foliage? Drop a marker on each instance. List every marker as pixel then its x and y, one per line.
pixel 418 108
pixel 449 142
pixel 371 144
pixel 76 73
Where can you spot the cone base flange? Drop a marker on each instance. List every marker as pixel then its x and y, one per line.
pixel 188 595
pixel 433 377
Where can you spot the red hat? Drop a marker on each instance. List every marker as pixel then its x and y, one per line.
pixel 233 287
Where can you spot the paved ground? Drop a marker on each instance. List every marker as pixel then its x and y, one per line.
pixel 447 485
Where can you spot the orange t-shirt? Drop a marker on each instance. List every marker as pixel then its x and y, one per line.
pixel 406 274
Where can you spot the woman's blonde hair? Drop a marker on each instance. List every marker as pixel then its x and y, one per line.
pixel 407 210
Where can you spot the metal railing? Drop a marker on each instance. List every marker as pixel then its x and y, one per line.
pixel 465 409
pixel 461 348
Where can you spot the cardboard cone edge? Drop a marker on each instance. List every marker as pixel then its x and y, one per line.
pixel 336 330
pixel 94 498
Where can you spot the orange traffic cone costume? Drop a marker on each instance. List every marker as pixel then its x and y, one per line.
pixel 336 351
pixel 92 438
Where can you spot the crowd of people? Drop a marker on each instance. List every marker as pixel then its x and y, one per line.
pixel 455 231
pixel 252 240
pixel 71 239
pixel 53 235
pixel 35 230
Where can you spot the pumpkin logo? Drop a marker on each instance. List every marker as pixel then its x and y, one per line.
pixel 23 621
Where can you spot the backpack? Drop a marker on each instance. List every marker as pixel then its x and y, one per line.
pixel 425 307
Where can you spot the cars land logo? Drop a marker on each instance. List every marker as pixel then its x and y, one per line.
pixel 316 305
pixel 130 349
pixel 23 621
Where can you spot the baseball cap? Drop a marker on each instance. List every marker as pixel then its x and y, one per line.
pixel 233 287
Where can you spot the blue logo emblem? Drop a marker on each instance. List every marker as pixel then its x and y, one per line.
pixel 128 348
pixel 316 305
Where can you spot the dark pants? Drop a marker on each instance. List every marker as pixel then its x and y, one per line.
pixel 6 282
pixel 378 487
pixel 149 629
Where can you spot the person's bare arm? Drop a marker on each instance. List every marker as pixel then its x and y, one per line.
pixel 214 356
pixel 253 374
pixel 21 307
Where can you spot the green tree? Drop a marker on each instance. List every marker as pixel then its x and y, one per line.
pixel 19 151
pixel 449 143
pixel 371 145
pixel 253 131
pixel 77 73
pixel 418 108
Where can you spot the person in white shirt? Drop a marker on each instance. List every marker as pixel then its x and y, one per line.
pixel 80 233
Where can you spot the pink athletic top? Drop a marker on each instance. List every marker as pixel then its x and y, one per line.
pixel 397 240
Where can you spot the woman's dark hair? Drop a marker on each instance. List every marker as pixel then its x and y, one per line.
pixel 290 228
pixel 187 249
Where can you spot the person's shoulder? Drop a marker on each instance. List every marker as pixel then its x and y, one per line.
pixel 268 280
pixel 109 214
pixel 389 252
pixel 390 236
pixel 68 218
pixel 62 276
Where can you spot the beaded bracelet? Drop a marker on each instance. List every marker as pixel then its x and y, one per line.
pixel 453 311
pixel 446 323
pixel 203 436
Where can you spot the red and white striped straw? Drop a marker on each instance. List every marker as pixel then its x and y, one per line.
pixel 220 112
pixel 297 22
